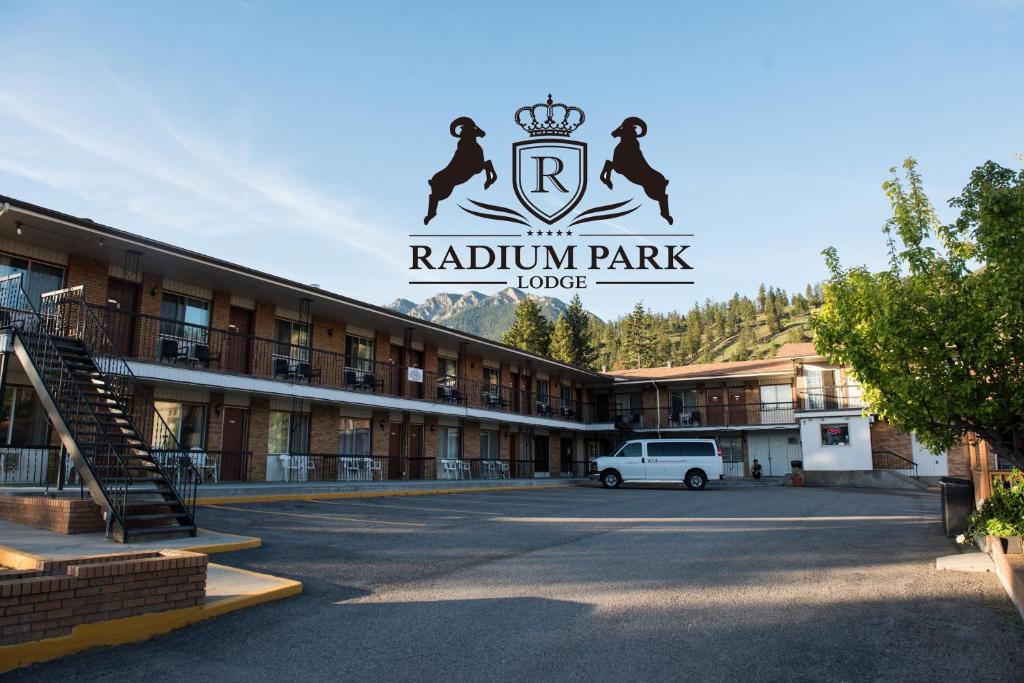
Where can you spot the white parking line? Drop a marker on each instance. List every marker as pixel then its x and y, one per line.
pixel 406 507
pixel 343 518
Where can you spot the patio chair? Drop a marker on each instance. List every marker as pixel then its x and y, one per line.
pixel 502 469
pixel 352 468
pixel 351 378
pixel 282 368
pixel 376 468
pixel 170 350
pixel 450 469
pixel 204 357
pixel 465 469
pixel 301 468
pixel 307 372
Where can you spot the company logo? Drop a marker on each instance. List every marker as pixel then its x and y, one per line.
pixel 549 180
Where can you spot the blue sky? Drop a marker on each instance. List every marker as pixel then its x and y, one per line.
pixel 298 140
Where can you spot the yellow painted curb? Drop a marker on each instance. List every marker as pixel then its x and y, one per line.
pixel 17 559
pixel 141 627
pixel 285 497
pixel 225 547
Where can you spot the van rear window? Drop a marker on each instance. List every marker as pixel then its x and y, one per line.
pixel 680 449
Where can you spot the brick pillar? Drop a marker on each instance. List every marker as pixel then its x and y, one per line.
pixel 554 453
pixel 259 433
pixel 91 274
pixel 471 439
pixel 147 331
pixel 430 436
pixel 324 422
pixel 264 328
pixel 215 422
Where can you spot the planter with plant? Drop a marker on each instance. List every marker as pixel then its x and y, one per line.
pixel 1002 514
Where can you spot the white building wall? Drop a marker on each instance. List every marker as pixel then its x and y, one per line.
pixel 855 456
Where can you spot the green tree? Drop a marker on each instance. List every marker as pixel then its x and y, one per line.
pixel 530 330
pixel 639 344
pixel 937 339
pixel 762 298
pixel 561 347
pixel 581 339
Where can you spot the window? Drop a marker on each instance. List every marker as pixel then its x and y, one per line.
pixel 543 391
pixel 491 381
pixel 835 435
pixel 36 278
pixel 355 436
pixel 488 445
pixel 185 318
pixel 566 397
pixel 186 422
pixel 359 353
pixel 776 403
pixel 292 339
pixel 630 450
pixel 815 397
pixel 288 433
pixel 23 421
pixel 448 443
pixel 447 371
pixel 680 449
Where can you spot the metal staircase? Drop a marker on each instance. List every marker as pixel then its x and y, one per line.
pixel 102 414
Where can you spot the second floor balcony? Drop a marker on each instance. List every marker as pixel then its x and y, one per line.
pixel 707 415
pixel 182 344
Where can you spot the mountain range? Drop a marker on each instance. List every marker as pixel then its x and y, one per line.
pixel 475 312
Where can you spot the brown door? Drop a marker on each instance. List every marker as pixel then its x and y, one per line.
pixel 122 303
pixel 395 451
pixel 514 381
pixel 234 443
pixel 716 406
pixel 415 451
pixel 513 455
pixel 238 344
pixel 737 406
pixel 566 463
pixel 394 382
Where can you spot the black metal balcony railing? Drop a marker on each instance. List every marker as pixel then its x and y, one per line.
pixel 28 465
pixel 332 467
pixel 844 397
pixel 174 342
pixel 706 415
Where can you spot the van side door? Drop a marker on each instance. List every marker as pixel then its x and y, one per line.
pixel 665 461
pixel 629 461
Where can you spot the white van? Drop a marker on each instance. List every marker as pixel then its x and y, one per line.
pixel 690 461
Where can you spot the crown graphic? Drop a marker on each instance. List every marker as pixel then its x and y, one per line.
pixel 550 118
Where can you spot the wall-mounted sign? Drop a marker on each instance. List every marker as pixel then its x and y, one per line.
pixel 415 374
pixel 835 435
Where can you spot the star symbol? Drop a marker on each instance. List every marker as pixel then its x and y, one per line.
pixel 559 233
pixel 549 233
pixel 568 233
pixel 529 233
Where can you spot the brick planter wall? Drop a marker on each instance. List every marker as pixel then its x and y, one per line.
pixel 59 595
pixel 63 515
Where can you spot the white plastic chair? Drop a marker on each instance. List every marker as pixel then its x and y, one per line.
pixel 465 469
pixel 450 469
pixel 375 468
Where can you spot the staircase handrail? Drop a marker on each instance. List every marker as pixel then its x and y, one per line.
pixel 24 306
pixel 911 464
pixel 94 333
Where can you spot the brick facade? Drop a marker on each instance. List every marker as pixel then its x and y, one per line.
pixel 62 515
pixel 58 595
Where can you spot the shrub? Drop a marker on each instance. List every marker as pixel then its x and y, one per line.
pixel 1002 513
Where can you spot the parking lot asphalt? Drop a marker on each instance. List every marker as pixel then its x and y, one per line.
pixel 758 583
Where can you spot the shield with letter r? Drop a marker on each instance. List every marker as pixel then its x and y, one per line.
pixel 549 176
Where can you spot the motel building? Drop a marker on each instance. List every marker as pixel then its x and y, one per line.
pixel 141 371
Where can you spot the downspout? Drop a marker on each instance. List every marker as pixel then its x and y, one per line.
pixel 657 407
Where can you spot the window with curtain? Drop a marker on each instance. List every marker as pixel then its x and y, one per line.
pixel 288 432
pixel 448 443
pixel 185 318
pixel 543 391
pixel 491 380
pixel 355 436
pixel 488 445
pixel 566 397
pixel 359 353
pixel 23 420
pixel 776 403
pixel 36 278
pixel 186 422
pixel 292 339
pixel 447 371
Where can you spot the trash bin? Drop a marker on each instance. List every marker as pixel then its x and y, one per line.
pixel 797 467
pixel 957 504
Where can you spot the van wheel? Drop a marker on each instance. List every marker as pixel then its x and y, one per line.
pixel 611 479
pixel 695 480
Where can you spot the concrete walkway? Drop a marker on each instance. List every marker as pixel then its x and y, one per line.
pixel 48 545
